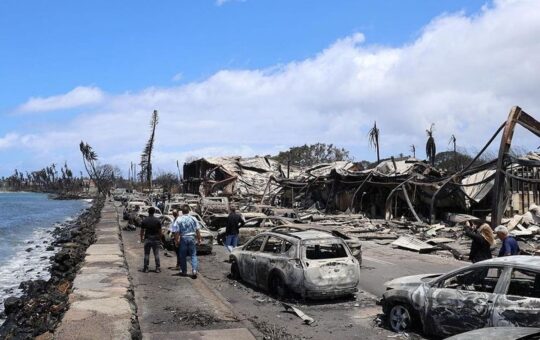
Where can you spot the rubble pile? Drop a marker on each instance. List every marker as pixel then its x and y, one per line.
pixel 444 238
pixel 405 202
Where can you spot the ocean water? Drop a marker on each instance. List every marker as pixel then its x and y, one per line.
pixel 26 221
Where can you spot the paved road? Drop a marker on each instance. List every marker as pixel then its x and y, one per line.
pixel 173 307
pixel 345 319
pixel 383 263
pixel 163 310
pixel 351 318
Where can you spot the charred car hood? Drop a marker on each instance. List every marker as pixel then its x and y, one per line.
pixel 410 281
pixel 500 333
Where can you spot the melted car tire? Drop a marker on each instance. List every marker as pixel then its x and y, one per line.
pixel 277 286
pixel 235 271
pixel 401 313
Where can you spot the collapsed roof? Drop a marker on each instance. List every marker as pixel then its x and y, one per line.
pixel 230 175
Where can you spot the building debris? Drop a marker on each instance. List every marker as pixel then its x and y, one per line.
pixel 409 242
pixel 401 201
pixel 307 319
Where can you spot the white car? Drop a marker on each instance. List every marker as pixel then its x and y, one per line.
pixel 313 264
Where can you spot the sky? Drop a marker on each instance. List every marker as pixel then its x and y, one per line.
pixel 255 77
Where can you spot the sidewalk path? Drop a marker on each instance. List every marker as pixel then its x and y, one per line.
pixel 178 307
pixel 99 305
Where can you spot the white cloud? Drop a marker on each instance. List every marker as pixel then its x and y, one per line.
pixel 8 140
pixel 79 96
pixel 177 77
pixel 222 2
pixel 463 73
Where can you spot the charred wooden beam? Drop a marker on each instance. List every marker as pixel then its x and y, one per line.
pixel 516 116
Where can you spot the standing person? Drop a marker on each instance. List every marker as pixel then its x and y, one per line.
pixel 234 223
pixel 188 230
pixel 482 241
pixel 151 236
pixel 509 244
pixel 174 230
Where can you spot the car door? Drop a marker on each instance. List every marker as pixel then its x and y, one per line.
pixel 462 301
pixel 519 302
pixel 248 259
pixel 269 258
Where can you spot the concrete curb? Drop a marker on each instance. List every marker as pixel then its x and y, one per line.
pixel 135 327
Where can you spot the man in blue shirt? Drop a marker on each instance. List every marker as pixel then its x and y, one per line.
pixel 509 244
pixel 186 229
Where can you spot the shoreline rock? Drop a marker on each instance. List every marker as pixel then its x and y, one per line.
pixel 43 303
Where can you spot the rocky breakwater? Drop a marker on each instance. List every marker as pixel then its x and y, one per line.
pixel 43 303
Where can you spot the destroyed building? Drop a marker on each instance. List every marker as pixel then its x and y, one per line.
pixel 230 176
pixel 396 188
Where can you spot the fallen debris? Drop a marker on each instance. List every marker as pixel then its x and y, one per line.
pixel 307 320
pixel 411 243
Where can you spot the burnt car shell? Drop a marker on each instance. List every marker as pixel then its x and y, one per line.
pixel 354 244
pixel 408 282
pixel 303 268
pixel 493 293
pixel 500 333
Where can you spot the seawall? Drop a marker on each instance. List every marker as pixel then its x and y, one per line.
pixel 101 299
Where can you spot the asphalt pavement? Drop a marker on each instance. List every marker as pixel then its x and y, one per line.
pixel 381 263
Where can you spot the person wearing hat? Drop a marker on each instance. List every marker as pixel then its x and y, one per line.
pixel 509 244
pixel 482 241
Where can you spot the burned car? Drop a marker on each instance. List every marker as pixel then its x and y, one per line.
pixel 131 207
pixel 207 238
pixel 500 333
pixel 493 293
pixel 143 211
pixel 354 244
pixel 312 264
pixel 254 226
pixel 218 221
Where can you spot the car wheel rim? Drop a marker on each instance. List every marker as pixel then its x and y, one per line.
pixel 400 319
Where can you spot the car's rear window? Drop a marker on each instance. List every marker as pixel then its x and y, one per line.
pixel 325 251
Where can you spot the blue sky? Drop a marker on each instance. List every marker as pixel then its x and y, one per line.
pixel 121 52
pixel 52 47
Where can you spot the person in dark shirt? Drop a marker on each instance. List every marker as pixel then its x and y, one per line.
pixel 509 244
pixel 234 222
pixel 482 241
pixel 151 236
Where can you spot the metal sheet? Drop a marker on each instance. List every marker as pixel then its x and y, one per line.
pixel 411 243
